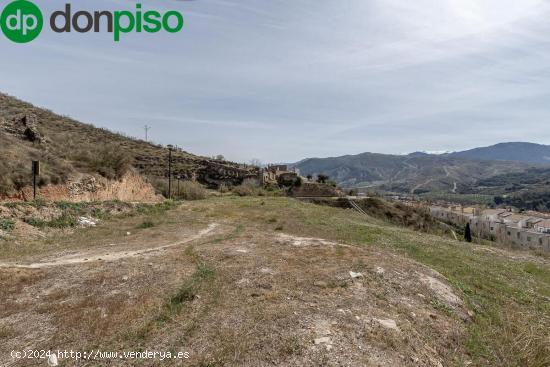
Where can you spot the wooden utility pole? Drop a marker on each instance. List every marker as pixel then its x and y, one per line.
pixel 170 147
pixel 35 172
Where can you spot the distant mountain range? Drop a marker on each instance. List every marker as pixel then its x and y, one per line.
pixel 423 172
pixel 518 152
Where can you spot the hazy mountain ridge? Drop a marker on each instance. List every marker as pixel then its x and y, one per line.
pixel 513 151
pixel 421 172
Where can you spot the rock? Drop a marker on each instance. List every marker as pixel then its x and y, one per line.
pixel 52 360
pixel 125 278
pixel 322 340
pixel 442 291
pixel 354 275
pixel 380 270
pixel 320 284
pixel 387 323
pixel 128 233
pixel 87 222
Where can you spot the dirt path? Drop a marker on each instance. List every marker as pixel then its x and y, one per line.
pixel 102 255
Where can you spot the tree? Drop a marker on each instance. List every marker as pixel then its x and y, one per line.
pixel 322 178
pixel 467 233
pixel 499 200
pixel 220 157
pixel 309 177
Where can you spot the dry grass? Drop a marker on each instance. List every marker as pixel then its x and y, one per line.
pixel 247 295
pixel 71 146
pixel 189 190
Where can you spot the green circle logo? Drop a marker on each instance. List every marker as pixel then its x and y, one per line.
pixel 21 21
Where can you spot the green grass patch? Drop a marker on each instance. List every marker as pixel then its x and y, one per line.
pixel 64 221
pixel 188 290
pixel 7 224
pixel 146 224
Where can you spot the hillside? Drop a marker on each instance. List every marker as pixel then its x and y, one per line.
pixel 515 151
pixel 414 173
pixel 68 147
pixel 265 281
pixel 524 190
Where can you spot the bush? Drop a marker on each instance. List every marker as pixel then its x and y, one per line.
pixel 243 190
pixel 64 221
pixel 110 161
pixel 223 188
pixel 146 224
pixel 189 190
pixel 321 178
pixel 7 224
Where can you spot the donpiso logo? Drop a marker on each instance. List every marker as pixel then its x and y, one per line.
pixel 21 21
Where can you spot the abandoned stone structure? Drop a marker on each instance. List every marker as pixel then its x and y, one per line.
pixel 210 172
pixel 516 230
pixel 277 174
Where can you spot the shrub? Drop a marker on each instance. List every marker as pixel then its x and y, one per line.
pixel 110 161
pixel 243 190
pixel 189 190
pixel 321 178
pixel 64 221
pixel 223 188
pixel 7 224
pixel 146 224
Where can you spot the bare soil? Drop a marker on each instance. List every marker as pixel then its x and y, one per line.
pixel 233 283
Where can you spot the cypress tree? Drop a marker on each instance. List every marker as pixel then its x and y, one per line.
pixel 467 233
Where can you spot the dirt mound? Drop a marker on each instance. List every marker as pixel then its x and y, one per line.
pixel 130 187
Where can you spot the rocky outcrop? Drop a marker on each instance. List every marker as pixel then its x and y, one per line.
pixel 24 126
pixel 131 187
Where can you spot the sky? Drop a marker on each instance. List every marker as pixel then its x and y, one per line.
pixel 280 81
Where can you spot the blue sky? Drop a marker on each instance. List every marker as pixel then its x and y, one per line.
pixel 284 80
